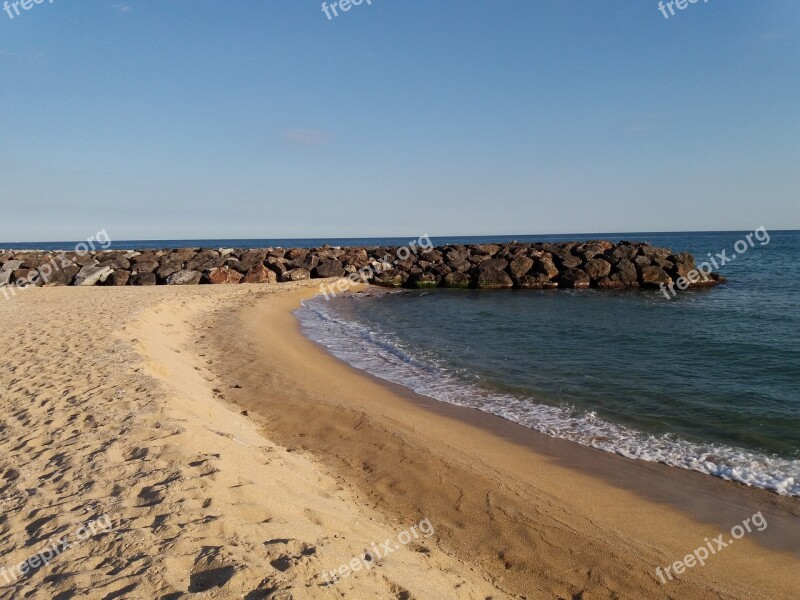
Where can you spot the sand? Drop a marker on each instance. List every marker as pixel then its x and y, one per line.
pixel 233 458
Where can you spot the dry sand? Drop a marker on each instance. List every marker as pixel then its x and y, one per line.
pixel 118 402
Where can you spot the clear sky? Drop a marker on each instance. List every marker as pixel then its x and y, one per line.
pixel 265 119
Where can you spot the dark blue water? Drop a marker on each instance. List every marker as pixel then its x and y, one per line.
pixel 656 238
pixel 708 380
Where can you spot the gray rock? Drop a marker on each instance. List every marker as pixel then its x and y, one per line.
pixel 92 275
pixel 12 265
pixel 185 277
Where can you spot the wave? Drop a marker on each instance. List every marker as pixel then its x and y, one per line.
pixel 381 354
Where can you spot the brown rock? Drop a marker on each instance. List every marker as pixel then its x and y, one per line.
pixel 520 266
pixel 224 275
pixel 260 274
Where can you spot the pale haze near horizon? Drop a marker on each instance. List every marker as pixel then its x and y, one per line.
pixel 192 120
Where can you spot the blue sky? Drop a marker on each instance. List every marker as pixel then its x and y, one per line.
pixel 264 119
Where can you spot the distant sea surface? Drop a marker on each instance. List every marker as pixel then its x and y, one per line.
pixel 708 380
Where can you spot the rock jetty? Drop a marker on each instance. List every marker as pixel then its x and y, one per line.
pixel 594 264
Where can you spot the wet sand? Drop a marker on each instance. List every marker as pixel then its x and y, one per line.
pixel 544 517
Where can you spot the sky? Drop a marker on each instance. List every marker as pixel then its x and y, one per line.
pixel 193 119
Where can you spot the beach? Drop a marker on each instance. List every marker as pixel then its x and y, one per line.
pixel 234 458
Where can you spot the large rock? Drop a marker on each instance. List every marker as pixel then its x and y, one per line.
pixel 625 272
pixel 623 252
pixel 295 275
pixel 12 265
pixel 224 275
pixel 654 276
pixel 566 261
pixel 60 276
pixel 597 268
pixel 145 266
pixel 143 279
pixel 260 274
pixel 456 279
pixel 185 277
pixel 492 275
pixel 520 266
pixel 329 268
pixel 574 278
pixel 167 268
pixel 390 278
pixel 93 275
pixel 544 264
pixel 119 278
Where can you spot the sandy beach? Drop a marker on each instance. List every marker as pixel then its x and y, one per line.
pixel 227 456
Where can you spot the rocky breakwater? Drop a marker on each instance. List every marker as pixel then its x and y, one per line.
pixel 596 264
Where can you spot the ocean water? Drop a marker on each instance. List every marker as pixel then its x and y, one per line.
pixel 708 380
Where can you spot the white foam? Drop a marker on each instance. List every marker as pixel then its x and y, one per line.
pixel 384 356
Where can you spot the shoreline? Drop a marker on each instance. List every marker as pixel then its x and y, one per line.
pixel 237 458
pixel 568 475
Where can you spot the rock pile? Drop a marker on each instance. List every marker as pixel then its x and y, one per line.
pixel 597 264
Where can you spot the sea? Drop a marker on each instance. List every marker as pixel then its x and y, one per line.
pixel 707 379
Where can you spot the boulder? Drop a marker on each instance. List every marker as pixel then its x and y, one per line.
pixel 295 275
pixel 329 268
pixel 60 276
pixel 487 249
pixel 12 265
pixel 260 274
pixel 278 265
pixel 145 266
pixel 456 279
pixel 143 279
pixel 390 278
pixel 545 265
pixel 653 276
pixel 625 272
pixel 185 277
pixel 224 275
pixel 566 261
pixel 119 278
pixel 492 275
pixel 597 268
pixel 167 268
pixel 205 260
pixel 623 252
pixel 574 278
pixel 92 275
pixel 520 266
